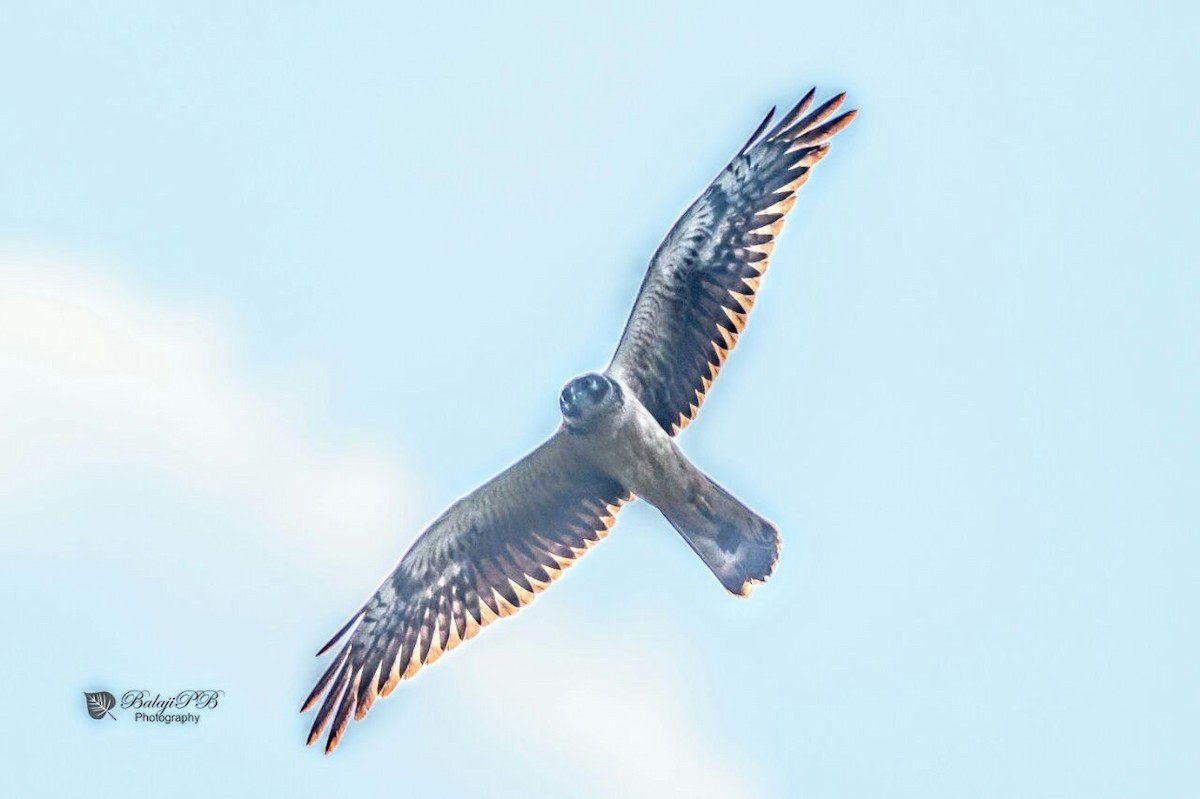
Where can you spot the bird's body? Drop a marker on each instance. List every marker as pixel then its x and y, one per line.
pixel 624 441
pixel 489 553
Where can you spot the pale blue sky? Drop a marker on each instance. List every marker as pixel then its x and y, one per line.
pixel 280 282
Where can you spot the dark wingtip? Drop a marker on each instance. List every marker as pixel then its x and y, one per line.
pixel 338 635
pixel 813 119
pixel 791 116
pixel 313 696
pixel 825 131
pixel 758 131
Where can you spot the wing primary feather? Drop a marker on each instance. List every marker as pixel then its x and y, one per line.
pixel 761 127
pixel 345 708
pixel 322 683
pixel 338 635
pixel 389 661
pixel 327 706
pixel 822 132
pixel 367 691
pixel 823 112
pixel 810 156
pixel 798 109
pixel 764 219
pixel 508 593
pixel 406 651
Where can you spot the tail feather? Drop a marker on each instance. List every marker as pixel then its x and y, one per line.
pixel 739 546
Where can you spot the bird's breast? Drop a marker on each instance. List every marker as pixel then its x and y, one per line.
pixel 639 453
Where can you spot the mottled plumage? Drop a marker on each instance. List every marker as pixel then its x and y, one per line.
pixel 493 550
pixel 705 275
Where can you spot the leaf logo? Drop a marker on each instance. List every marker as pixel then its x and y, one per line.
pixel 99 703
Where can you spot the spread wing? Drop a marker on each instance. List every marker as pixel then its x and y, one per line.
pixel 704 276
pixel 483 559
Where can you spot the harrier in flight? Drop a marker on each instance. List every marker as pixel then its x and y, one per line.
pixel 507 540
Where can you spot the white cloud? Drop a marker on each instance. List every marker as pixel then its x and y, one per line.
pixel 94 377
pixel 629 720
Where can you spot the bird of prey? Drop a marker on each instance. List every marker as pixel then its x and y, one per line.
pixel 494 549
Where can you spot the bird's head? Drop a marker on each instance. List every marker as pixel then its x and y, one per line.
pixel 585 398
